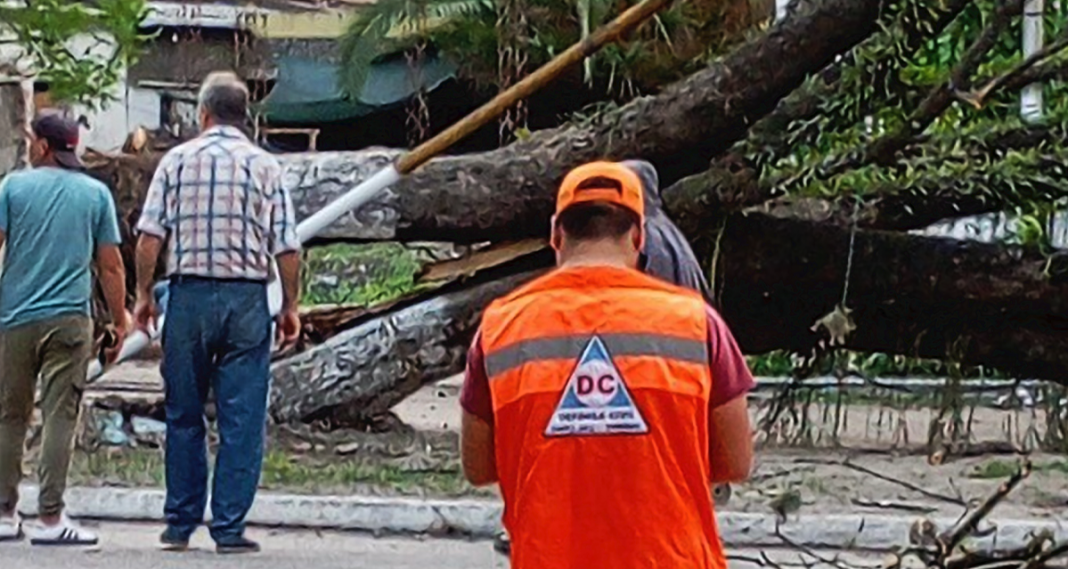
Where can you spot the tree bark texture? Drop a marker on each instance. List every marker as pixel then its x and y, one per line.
pixel 372 366
pixel 978 303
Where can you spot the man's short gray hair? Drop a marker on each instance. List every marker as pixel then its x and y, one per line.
pixel 225 97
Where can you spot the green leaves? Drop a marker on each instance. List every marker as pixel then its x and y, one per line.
pixel 983 159
pixel 678 41
pixel 388 26
pixel 80 50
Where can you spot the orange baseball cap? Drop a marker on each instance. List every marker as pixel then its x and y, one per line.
pixel 606 182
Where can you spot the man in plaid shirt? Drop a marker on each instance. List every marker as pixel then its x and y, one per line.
pixel 219 204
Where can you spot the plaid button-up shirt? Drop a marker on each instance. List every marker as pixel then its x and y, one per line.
pixel 219 201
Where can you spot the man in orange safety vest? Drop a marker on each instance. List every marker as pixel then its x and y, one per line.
pixel 605 401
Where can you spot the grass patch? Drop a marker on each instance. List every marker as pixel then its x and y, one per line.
pixel 1000 468
pixel 358 274
pixel 293 473
pixel 282 471
pixel 118 467
pixel 781 364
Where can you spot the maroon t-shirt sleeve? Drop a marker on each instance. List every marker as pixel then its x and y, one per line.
pixel 730 372
pixel 475 394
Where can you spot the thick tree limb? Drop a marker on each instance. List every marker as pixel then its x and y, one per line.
pixel 386 357
pixel 803 115
pixel 507 193
pixel 933 199
pixel 910 295
pixel 916 207
pixel 892 207
pixel 715 192
pixel 710 194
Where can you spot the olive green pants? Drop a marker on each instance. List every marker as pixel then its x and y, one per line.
pixel 57 351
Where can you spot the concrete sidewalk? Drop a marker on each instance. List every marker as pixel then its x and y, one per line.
pixel 481 518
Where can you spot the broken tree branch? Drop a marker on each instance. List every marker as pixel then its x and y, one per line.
pixel 916 207
pixel 911 295
pixel 948 541
pixel 800 117
pixel 929 199
pixel 385 357
pixel 914 488
pixel 1016 78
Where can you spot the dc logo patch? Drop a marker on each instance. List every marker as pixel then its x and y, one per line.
pixel 596 400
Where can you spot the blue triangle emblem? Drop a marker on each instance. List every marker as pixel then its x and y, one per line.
pixel 596 400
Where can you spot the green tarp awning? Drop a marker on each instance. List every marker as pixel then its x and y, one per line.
pixel 307 90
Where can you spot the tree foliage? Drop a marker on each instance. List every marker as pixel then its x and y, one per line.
pixel 675 43
pixel 901 114
pixel 921 123
pixel 80 49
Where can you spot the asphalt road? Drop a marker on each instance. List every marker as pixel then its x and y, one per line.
pixel 126 546
pixel 130 546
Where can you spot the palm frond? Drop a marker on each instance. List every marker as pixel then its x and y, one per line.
pixel 391 25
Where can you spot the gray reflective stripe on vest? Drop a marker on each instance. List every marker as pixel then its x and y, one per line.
pixel 618 344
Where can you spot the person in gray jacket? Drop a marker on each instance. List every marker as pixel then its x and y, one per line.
pixel 666 255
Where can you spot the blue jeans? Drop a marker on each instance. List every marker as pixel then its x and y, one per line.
pixel 217 335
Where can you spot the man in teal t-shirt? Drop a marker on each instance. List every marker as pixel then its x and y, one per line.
pixel 54 220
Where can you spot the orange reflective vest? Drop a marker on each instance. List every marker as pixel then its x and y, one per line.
pixel 600 384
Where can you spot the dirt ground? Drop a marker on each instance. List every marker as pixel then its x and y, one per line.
pixel 876 478
pixel 829 487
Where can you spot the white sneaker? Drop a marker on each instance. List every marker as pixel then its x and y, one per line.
pixel 64 533
pixel 10 528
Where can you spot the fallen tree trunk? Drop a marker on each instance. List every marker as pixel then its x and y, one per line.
pixel 728 187
pixel 381 359
pixel 976 303
pixel 507 193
